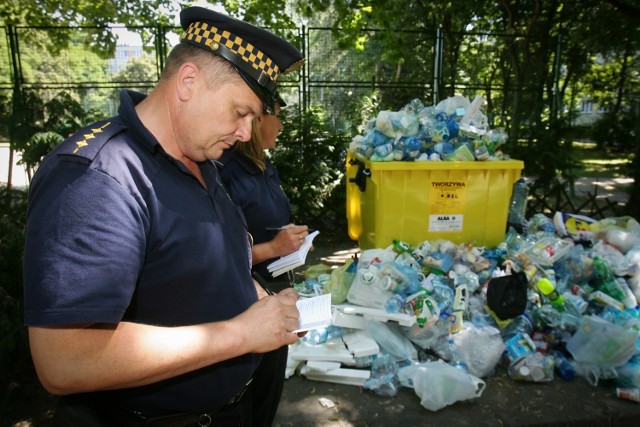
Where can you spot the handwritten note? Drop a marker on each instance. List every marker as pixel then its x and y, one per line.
pixel 315 312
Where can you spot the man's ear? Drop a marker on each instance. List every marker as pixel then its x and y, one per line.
pixel 187 80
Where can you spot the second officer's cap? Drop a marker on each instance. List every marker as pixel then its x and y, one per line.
pixel 259 55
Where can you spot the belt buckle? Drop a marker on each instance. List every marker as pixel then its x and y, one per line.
pixel 205 420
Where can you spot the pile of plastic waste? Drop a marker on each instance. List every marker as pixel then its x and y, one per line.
pixel 556 300
pixel 453 130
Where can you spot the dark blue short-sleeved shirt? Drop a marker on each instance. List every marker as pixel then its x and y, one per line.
pixel 260 196
pixel 118 230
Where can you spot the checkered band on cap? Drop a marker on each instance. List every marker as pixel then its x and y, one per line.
pixel 213 37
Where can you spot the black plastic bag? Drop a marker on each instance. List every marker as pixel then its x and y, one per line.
pixel 507 295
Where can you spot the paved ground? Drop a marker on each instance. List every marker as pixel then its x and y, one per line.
pixel 504 402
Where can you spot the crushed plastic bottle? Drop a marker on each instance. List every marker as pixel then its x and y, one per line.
pixel 395 304
pixel 518 205
pixel 521 324
pixel 384 379
pixel 535 367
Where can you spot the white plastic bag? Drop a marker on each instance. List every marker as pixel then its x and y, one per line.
pixel 603 344
pixel 480 348
pixel 391 340
pixel 439 384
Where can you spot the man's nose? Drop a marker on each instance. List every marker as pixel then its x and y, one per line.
pixel 244 132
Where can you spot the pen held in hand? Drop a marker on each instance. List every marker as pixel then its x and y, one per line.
pixel 284 227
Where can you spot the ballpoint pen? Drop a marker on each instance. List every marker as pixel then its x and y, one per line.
pixel 284 227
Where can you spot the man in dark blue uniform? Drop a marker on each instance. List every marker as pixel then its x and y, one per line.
pixel 138 292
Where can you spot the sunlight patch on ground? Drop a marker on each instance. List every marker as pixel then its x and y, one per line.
pixel 607 162
pixel 340 257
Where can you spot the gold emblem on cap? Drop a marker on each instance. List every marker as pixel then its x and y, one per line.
pixel 214 46
pixel 293 67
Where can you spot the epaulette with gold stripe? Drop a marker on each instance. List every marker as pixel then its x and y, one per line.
pixel 88 142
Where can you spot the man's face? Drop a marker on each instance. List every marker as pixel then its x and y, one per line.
pixel 216 118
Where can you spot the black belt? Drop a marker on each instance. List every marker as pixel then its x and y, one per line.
pixel 202 419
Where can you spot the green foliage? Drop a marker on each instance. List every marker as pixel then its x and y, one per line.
pixel 89 13
pixel 13 340
pixel 310 160
pixel 36 127
pixel 39 146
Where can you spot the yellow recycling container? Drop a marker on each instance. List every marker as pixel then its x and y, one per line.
pixel 417 201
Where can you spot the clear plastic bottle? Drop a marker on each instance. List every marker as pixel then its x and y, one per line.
pixel 395 304
pixel 521 324
pixel 456 359
pixel 518 205
pixel 534 367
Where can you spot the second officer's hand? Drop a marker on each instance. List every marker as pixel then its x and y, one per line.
pixel 290 239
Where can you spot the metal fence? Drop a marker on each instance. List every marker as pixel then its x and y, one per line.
pixel 329 69
pixel 332 77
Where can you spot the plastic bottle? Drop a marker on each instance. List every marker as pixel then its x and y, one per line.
pixel 395 304
pixel 604 280
pixel 518 205
pixel 521 324
pixel 563 367
pixel 535 367
pixel 549 290
pixel 472 111
pixel 400 246
pixel 399 149
pixel 384 149
pixel 413 147
pixel 456 359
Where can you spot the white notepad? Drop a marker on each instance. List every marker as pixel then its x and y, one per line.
pixel 294 259
pixel 315 312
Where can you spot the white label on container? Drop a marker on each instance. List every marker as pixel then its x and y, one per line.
pixel 445 222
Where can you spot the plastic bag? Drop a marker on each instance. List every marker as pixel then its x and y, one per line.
pixel 391 340
pixel 376 257
pixel 395 124
pixel 602 344
pixel 313 271
pixel 507 295
pixel 479 348
pixel 340 282
pixel 428 336
pixel 439 384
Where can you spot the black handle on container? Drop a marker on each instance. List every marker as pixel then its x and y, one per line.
pixel 361 175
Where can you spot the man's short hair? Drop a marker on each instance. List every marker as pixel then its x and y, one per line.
pixel 217 70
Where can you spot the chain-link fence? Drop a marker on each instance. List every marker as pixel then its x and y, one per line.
pixel 333 79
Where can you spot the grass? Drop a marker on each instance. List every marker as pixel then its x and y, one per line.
pixel 599 162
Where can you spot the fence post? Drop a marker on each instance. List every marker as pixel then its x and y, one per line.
pixel 437 66
pixel 17 79
pixel 161 47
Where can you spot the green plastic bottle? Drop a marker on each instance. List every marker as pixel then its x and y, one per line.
pixel 604 280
